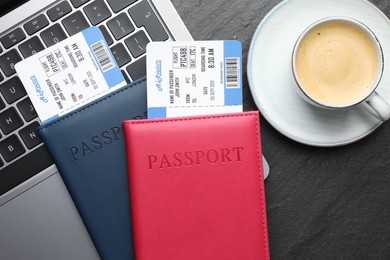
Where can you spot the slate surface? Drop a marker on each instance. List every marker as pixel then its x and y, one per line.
pixel 323 203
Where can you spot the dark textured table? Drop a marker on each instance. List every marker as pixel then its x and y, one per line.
pixel 323 203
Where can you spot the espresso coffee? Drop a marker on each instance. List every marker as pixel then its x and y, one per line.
pixel 337 63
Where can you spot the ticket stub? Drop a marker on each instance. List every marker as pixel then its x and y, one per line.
pixel 194 78
pixel 70 74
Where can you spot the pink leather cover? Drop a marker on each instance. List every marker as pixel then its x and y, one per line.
pixel 196 187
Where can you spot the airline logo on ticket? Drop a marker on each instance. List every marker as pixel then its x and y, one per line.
pixel 70 74
pixel 194 78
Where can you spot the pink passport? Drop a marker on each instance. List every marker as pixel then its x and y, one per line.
pixel 197 187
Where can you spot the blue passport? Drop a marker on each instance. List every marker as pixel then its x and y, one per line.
pixel 89 151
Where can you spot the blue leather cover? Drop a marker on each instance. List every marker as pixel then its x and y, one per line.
pixel 89 150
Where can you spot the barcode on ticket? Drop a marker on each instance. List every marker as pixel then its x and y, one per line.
pixel 102 55
pixel 232 73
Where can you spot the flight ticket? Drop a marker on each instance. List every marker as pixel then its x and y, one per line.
pixel 70 74
pixel 194 78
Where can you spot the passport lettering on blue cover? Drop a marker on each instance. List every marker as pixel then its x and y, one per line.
pixel 89 150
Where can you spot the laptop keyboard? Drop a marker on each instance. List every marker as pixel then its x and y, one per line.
pixel 127 25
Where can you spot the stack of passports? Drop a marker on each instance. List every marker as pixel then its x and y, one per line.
pixel 197 187
pixel 89 150
pixel 178 188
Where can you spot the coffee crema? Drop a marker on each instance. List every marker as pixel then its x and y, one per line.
pixel 337 63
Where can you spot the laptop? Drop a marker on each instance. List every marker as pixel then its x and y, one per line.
pixel 38 219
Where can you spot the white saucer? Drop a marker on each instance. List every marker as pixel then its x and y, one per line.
pixel 270 77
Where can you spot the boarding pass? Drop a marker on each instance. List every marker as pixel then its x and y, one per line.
pixel 70 74
pixel 194 78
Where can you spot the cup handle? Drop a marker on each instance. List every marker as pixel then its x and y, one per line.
pixel 379 107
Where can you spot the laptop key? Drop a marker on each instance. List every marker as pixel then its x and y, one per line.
pixel 12 38
pixel 8 61
pixel 120 26
pixel 29 136
pixel 53 35
pixel 12 90
pixel 59 11
pixel 106 35
pixel 78 3
pixel 11 148
pixel 137 69
pixel 118 5
pixel 10 120
pixel 137 43
pixel 31 47
pixel 143 15
pixel 97 12
pixel 120 54
pixel 36 24
pixel 26 166
pixel 75 23
pixel 2 104
pixel 27 109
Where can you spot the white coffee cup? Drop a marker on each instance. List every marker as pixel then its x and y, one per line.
pixel 337 63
